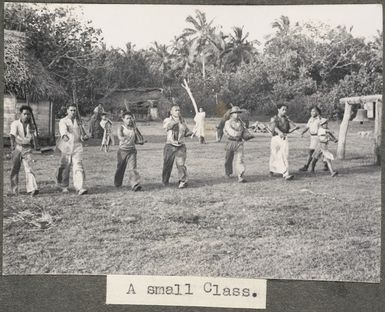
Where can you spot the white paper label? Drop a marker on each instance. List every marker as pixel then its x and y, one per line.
pixel 186 291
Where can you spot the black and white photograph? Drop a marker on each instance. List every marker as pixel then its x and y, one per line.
pixel 193 140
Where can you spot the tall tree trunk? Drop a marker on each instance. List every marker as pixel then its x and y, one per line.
pixel 203 67
pixel 74 94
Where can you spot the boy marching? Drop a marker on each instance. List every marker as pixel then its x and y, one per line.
pixel 236 133
pixel 175 148
pixel 127 153
pixel 312 126
pixel 22 135
pixel 71 147
pixel 324 136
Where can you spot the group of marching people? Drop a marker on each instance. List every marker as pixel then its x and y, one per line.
pixel 280 127
pixel 70 144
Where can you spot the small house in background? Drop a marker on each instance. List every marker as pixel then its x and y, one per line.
pixel 27 82
pixel 145 103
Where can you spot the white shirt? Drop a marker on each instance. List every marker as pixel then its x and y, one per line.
pixel 17 130
pixel 72 130
pixel 200 123
pixel 104 122
pixel 313 125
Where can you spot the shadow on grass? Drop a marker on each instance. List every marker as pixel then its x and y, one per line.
pixel 201 182
pixel 341 171
pixel 361 169
pixel 49 188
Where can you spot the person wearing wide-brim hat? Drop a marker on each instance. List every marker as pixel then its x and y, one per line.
pixel 324 135
pixel 236 133
pixel 279 151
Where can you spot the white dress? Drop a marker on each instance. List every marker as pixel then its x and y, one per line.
pixel 199 119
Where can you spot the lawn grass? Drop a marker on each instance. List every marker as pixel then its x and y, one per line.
pixel 314 227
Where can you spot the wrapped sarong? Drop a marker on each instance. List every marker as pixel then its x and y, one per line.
pixel 279 155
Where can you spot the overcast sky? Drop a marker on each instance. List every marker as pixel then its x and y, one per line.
pixel 144 24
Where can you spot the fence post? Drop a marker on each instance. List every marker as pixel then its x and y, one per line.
pixel 377 131
pixel 343 131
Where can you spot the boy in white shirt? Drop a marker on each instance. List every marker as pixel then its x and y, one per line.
pixel 312 126
pixel 22 134
pixel 324 135
pixel 71 147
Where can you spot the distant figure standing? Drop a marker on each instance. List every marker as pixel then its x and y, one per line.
pixel 175 148
pixel 199 129
pixel 22 135
pixel 99 109
pixel 71 148
pixel 95 130
pixel 279 151
pixel 108 137
pixel 221 125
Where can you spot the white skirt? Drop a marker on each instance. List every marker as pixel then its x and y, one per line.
pixel 279 154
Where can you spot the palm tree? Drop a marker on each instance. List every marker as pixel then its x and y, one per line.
pixel 217 49
pixel 181 54
pixel 239 50
pixel 199 36
pixel 275 43
pixel 160 58
pixel 282 24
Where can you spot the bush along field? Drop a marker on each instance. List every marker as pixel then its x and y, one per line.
pixel 314 227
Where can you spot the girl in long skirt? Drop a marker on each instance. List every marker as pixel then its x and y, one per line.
pixel 280 128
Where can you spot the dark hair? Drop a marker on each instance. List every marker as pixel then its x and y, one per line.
pixel 71 105
pixel 279 106
pixel 317 109
pixel 25 107
pixel 127 113
pixel 103 114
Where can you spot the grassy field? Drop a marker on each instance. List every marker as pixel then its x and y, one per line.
pixel 314 227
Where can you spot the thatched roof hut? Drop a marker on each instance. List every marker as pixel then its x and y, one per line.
pixel 24 76
pixel 26 81
pixel 141 101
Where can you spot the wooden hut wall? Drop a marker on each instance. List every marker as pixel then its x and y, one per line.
pixel 9 113
pixel 42 112
pixel 42 115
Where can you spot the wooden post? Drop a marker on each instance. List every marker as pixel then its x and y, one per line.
pixel 51 123
pixel 343 131
pixel 187 88
pixel 377 131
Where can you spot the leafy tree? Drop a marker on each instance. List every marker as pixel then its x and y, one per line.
pixel 65 46
pixel 199 37
pixel 239 50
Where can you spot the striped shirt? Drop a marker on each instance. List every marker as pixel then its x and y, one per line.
pixel 126 137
